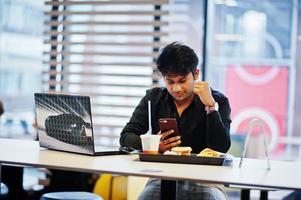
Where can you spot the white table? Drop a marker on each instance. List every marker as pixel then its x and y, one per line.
pixel 283 175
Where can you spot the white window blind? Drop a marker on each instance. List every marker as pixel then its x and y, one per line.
pixel 104 49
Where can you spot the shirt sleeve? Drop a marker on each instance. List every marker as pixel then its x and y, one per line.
pixel 218 127
pixel 137 125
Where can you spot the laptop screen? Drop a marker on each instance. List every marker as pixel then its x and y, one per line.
pixel 64 122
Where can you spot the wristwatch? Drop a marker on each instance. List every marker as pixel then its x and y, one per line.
pixel 210 109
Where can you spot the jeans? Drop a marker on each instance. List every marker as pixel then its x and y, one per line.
pixel 185 191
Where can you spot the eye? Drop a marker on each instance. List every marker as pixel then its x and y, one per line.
pixel 183 81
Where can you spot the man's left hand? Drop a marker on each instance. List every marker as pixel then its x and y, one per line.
pixel 167 144
pixel 202 89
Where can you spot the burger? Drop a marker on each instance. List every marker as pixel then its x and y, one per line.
pixel 209 153
pixel 181 150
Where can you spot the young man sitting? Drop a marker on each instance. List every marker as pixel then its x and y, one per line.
pixel 202 114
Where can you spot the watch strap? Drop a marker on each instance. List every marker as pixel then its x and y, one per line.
pixel 210 109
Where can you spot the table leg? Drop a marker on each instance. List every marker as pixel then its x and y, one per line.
pixel 0 178
pixel 263 195
pixel 245 194
pixel 168 189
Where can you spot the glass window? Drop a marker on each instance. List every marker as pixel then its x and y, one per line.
pixel 113 54
pixel 21 46
pixel 251 59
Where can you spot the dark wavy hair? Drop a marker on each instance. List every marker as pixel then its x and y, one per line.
pixel 178 59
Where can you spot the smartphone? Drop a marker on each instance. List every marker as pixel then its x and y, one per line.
pixel 167 124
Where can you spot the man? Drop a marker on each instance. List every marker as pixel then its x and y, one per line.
pixel 203 117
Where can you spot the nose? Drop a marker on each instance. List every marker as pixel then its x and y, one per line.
pixel 176 88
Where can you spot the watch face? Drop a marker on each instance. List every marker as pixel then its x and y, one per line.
pixel 210 109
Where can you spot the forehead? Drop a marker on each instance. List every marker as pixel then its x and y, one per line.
pixel 176 76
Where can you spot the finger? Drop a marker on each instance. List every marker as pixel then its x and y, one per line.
pixel 172 139
pixel 167 133
pixel 197 86
pixel 199 89
pixel 173 144
pixel 164 147
pixel 200 84
pixel 196 91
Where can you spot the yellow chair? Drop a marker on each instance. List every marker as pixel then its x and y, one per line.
pixel 111 187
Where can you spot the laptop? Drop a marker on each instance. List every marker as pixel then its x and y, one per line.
pixel 64 123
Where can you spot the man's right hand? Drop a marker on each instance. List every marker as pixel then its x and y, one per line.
pixel 169 143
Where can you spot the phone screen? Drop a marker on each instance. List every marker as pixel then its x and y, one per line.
pixel 167 124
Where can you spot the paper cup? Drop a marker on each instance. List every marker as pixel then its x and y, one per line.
pixel 150 143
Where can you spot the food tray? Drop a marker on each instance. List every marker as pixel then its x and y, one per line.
pixel 192 159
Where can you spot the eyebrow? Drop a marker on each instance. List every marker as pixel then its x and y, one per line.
pixel 183 78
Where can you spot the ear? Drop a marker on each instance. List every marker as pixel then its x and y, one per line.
pixel 196 74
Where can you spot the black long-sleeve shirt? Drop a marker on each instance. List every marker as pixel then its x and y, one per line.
pixel 197 129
